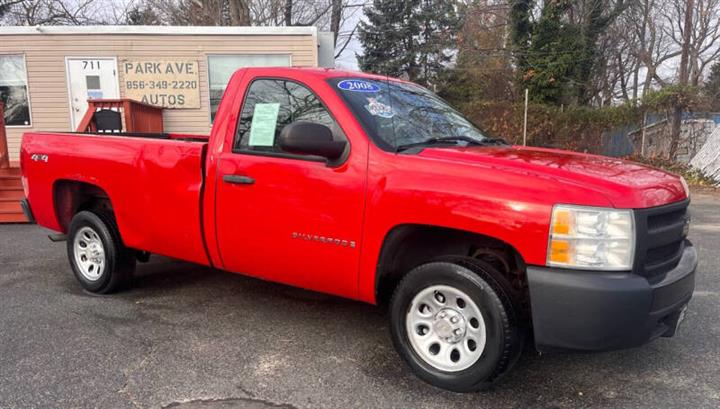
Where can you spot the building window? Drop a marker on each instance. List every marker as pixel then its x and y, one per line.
pixel 222 67
pixel 14 90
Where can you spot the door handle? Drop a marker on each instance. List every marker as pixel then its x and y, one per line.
pixel 238 179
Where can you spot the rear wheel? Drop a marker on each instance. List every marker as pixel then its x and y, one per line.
pixel 99 260
pixel 454 325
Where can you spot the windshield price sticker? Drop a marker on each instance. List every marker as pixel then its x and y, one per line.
pixel 264 123
pixel 357 86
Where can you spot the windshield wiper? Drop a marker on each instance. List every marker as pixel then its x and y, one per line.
pixel 447 139
pixel 495 141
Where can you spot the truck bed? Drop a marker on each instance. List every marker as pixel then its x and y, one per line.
pixel 147 135
pixel 153 182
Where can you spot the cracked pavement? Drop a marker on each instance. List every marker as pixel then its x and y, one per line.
pixel 191 337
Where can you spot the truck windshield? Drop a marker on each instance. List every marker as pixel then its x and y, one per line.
pixel 399 115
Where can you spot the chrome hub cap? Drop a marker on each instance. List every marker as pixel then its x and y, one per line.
pixel 89 253
pixel 446 328
pixel 450 325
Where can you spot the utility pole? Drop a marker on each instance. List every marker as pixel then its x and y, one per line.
pixel 642 141
pixel 525 120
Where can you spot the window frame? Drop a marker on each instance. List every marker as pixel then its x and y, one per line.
pixel 207 62
pixel 27 88
pixel 287 155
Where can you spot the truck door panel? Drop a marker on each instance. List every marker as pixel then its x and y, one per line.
pixel 282 217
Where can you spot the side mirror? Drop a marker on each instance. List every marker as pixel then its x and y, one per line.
pixel 309 138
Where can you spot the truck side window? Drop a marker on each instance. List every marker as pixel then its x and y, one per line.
pixel 269 105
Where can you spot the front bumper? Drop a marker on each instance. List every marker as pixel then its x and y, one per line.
pixel 600 311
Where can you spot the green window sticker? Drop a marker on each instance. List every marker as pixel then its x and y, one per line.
pixel 264 122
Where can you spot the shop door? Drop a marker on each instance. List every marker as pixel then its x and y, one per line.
pixel 90 78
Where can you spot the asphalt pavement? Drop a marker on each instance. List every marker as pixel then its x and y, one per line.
pixel 191 337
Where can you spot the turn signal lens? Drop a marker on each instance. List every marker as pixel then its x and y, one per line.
pixel 560 251
pixel 591 238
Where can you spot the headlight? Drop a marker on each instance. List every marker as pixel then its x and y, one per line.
pixel 591 238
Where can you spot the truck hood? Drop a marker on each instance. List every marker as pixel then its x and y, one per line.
pixel 625 184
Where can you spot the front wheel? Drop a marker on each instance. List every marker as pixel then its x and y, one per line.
pixel 99 260
pixel 454 325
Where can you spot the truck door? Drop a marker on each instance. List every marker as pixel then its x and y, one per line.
pixel 286 217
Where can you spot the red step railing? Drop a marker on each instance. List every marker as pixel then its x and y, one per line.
pixel 4 154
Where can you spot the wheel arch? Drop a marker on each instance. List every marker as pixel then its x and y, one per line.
pixel 407 246
pixel 71 196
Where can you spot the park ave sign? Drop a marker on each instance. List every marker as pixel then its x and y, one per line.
pixel 164 83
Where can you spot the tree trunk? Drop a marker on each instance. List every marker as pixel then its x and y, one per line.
pixel 650 73
pixel 239 13
pixel 684 73
pixel 335 17
pixel 287 12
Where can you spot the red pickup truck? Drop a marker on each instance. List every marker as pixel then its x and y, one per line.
pixel 374 189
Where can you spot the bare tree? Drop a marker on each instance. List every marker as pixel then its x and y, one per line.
pixel 701 38
pixel 651 45
pixel 239 12
pixel 5 5
pixel 60 12
pixel 267 12
pixel 686 29
pixel 622 63
pixel 287 12
pixel 339 16
pixel 344 22
pixel 336 12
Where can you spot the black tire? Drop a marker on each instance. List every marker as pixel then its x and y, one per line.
pixel 504 337
pixel 119 261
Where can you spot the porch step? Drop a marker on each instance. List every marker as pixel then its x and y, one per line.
pixel 13 218
pixel 10 183
pixel 10 206
pixel 15 172
pixel 11 193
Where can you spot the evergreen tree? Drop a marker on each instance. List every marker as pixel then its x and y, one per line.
pixel 556 51
pixel 387 37
pixel 521 29
pixel 412 39
pixel 553 56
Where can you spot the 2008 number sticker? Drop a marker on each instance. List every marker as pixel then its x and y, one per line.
pixel 357 86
